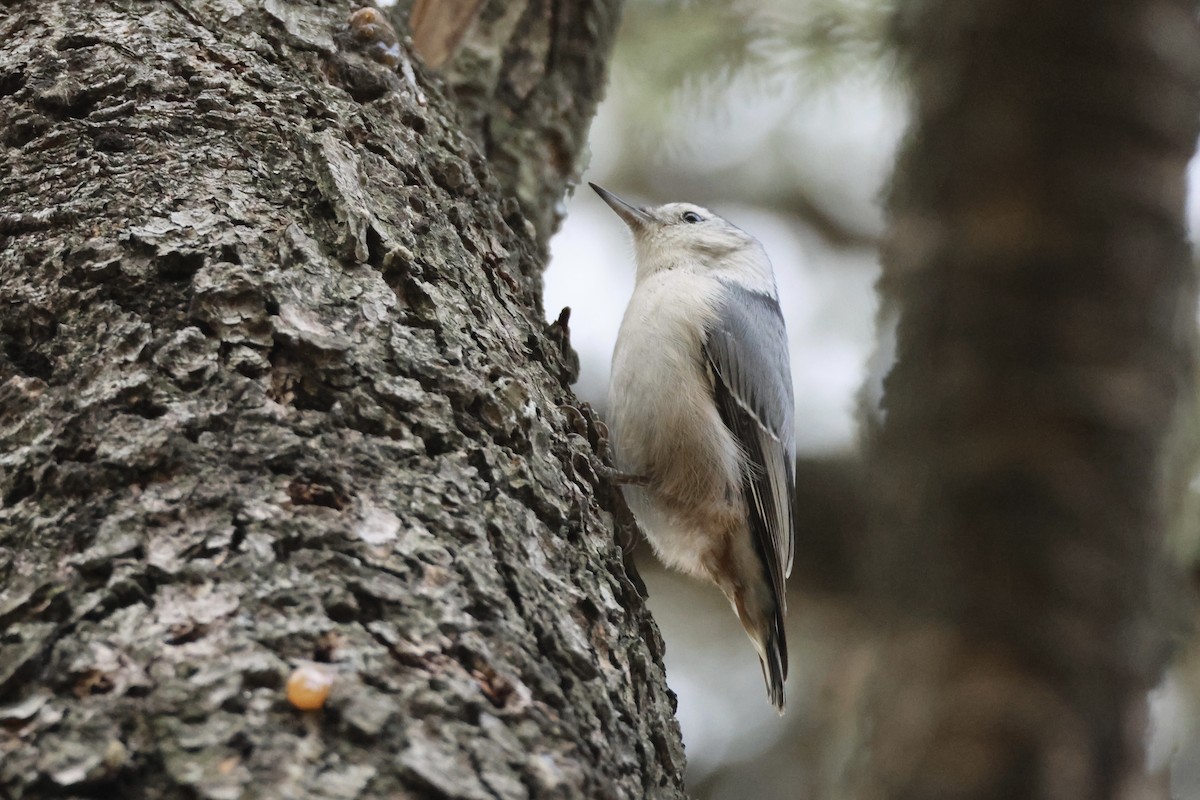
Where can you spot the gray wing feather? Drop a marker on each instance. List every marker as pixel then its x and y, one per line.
pixel 747 349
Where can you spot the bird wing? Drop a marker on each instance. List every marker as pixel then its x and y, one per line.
pixel 746 348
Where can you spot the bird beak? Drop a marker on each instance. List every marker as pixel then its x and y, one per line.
pixel 634 217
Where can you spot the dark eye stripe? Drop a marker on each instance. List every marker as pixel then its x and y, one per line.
pixel 691 216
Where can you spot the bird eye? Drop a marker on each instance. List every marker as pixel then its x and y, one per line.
pixel 691 216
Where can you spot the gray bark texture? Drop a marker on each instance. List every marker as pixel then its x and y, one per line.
pixel 531 123
pixel 1037 252
pixel 275 391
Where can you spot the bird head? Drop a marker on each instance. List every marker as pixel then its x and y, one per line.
pixel 690 237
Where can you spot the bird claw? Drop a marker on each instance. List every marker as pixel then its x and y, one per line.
pixel 593 468
pixel 584 422
pixel 576 423
pixel 619 478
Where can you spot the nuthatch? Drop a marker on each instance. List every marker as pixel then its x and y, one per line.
pixel 701 413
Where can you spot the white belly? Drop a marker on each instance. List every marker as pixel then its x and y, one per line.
pixel 664 424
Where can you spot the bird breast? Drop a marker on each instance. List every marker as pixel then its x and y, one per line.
pixel 665 425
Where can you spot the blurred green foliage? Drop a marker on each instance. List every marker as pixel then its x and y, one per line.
pixel 697 45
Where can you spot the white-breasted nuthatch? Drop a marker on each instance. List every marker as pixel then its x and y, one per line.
pixel 701 411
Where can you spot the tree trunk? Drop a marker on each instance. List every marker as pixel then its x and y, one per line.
pixel 277 391
pixel 1048 332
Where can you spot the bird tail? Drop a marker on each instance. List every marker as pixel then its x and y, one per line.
pixel 762 617
pixel 772 655
pixel 760 608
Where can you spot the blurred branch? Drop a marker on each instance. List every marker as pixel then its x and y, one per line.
pixel 797 201
pixel 710 189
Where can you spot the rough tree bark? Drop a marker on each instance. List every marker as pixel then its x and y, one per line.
pixel 276 389
pixel 1038 255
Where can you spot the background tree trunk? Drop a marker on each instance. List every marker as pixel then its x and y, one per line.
pixel 276 389
pixel 1048 333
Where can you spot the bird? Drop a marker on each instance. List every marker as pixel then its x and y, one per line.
pixel 701 414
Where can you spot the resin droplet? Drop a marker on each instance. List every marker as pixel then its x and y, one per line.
pixel 308 687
